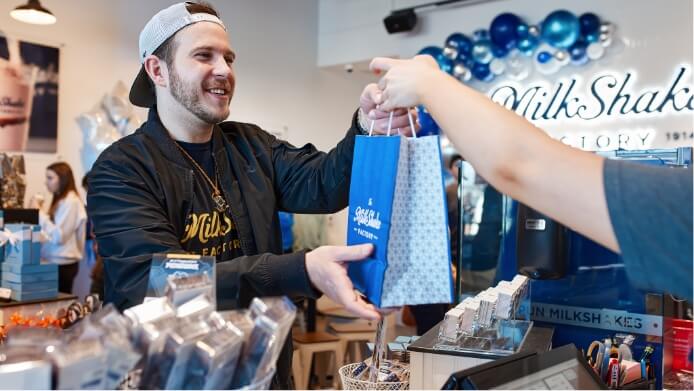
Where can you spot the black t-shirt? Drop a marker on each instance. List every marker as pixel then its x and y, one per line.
pixel 207 231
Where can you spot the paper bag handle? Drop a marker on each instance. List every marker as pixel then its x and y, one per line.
pixel 390 124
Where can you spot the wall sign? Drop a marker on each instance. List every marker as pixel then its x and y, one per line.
pixel 539 71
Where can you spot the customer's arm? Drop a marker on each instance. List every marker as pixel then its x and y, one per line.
pixel 512 154
pixel 67 220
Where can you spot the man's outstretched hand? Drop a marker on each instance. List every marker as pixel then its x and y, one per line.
pixel 327 270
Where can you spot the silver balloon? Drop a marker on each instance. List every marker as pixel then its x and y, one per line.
pixel 482 52
pixel 534 31
pixel 497 66
pixel 595 51
pixel 606 27
pixel 120 112
pixel 562 57
pixel 517 65
pixel 450 52
pixel 461 73
pixel 98 133
pixel 606 39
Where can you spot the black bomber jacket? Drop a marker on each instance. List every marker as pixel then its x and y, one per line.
pixel 140 192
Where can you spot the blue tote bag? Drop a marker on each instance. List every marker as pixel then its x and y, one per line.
pixel 397 202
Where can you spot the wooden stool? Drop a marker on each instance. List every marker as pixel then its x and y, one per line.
pixel 351 333
pixel 310 343
pixel 297 369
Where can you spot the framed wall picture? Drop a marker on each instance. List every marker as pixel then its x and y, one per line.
pixel 29 93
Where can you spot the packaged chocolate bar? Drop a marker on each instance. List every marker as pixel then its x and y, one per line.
pixel 241 319
pixel 149 323
pixel 214 358
pixel 256 356
pixel 189 326
pixel 39 338
pixel 24 368
pixel 279 309
pixel 79 365
pixel 182 289
pixel 113 330
pixel 165 267
pixel 192 324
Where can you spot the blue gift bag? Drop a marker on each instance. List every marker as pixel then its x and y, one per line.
pixel 397 202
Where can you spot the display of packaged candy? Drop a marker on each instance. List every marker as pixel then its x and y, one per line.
pixel 154 345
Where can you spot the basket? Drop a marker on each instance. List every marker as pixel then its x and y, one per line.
pixel 350 383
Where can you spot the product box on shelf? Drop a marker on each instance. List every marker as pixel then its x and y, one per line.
pixel 50 275
pixel 22 269
pixel 33 295
pixel 2 227
pixel 26 246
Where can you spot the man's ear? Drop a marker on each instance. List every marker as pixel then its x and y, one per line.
pixel 157 70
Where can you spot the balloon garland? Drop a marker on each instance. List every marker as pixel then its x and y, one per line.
pixel 511 47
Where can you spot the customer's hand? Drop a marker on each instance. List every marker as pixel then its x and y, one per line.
pixel 327 270
pixel 405 81
pixel 368 101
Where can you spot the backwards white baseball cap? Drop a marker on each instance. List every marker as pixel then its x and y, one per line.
pixel 161 27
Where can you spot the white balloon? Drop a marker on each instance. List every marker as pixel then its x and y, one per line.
pixel 595 51
pixel 545 47
pixel 549 67
pixel 497 66
pixel 517 65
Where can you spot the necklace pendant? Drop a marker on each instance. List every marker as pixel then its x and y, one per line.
pixel 220 203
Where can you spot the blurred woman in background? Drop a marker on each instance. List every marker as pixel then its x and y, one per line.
pixel 64 225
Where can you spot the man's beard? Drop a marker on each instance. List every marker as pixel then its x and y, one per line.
pixel 186 96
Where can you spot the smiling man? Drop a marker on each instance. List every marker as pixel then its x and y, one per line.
pixel 186 181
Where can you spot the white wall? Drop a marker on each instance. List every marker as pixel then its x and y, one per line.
pixel 278 83
pixel 352 30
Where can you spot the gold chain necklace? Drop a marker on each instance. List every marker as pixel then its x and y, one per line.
pixel 217 197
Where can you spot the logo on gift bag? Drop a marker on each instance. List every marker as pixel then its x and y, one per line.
pixel 367 217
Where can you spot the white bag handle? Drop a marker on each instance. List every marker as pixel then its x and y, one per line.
pixel 390 124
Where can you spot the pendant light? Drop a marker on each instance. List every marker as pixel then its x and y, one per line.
pixel 32 12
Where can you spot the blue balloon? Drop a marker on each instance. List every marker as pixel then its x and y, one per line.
pixel 460 41
pixel 445 63
pixel 522 30
pixel 480 34
pixel 561 29
pixel 503 30
pixel 590 24
pixel 482 72
pixel 482 52
pixel 527 45
pixel 592 37
pixel 465 58
pixel 499 51
pixel 427 123
pixel 577 51
pixel 543 57
pixel 433 51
